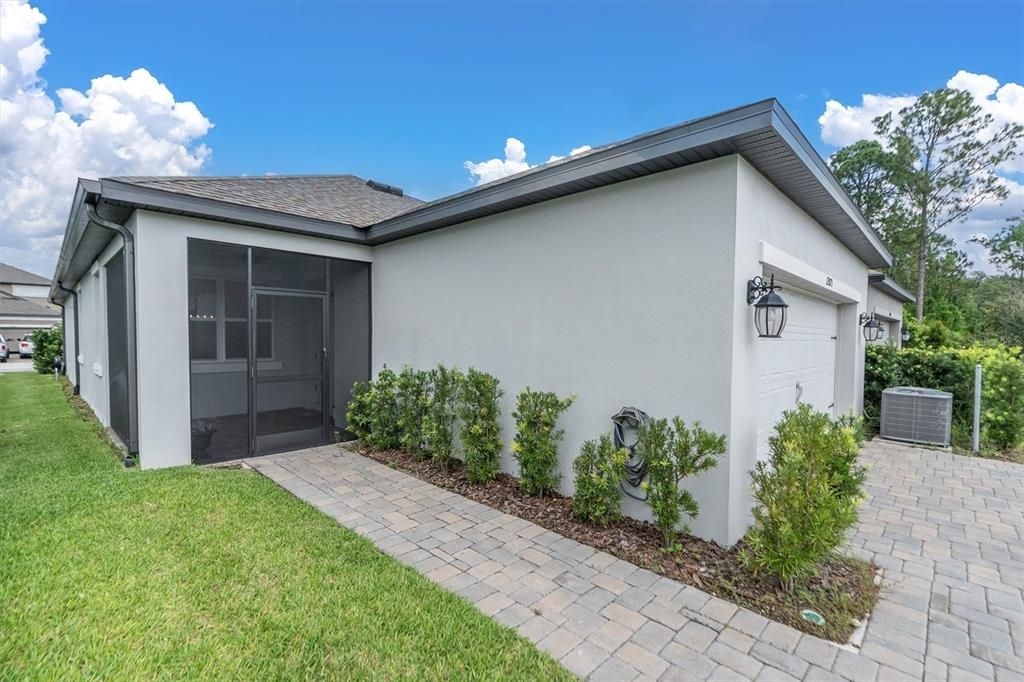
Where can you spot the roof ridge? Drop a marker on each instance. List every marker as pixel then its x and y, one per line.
pixel 187 178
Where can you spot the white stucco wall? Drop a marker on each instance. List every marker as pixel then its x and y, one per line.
pixel 162 296
pixel 620 295
pixel 889 311
pixel 765 214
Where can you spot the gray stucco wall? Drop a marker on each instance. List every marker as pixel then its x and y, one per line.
pixel 620 295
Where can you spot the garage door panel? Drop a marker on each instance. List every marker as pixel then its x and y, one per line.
pixel 799 367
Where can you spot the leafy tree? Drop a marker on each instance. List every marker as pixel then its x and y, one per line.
pixel 1006 248
pixel 49 344
pixel 953 162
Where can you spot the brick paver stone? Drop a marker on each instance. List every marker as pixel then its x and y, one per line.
pixel 947 531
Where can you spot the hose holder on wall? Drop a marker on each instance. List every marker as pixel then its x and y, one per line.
pixel 631 418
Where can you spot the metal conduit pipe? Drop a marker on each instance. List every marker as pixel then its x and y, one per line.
pixel 74 360
pixel 129 274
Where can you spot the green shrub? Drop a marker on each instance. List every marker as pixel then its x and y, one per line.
pixel 49 344
pixel 672 453
pixel 599 469
pixel 373 412
pixel 535 446
pixel 1002 394
pixel 413 395
pixel 441 413
pixel 481 425
pixel 359 415
pixel 952 370
pixel 808 491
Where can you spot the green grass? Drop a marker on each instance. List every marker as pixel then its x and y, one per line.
pixel 187 572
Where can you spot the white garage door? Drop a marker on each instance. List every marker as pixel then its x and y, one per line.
pixel 800 366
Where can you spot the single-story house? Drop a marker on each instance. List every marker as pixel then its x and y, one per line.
pixel 24 303
pixel 214 318
pixel 885 301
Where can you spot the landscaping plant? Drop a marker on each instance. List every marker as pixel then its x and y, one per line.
pixel 439 422
pixel 373 413
pixel 49 344
pixel 535 446
pixel 359 414
pixel 808 492
pixel 672 453
pixel 481 425
pixel 413 392
pixel 599 469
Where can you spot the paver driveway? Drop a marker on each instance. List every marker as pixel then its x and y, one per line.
pixel 947 530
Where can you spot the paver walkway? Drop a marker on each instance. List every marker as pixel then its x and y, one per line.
pixel 949 532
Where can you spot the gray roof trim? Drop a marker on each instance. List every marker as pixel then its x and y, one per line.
pixel 126 193
pixel 599 167
pixel 761 132
pixel 888 285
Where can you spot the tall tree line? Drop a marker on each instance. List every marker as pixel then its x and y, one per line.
pixel 931 165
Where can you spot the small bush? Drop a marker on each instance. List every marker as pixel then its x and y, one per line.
pixel 481 425
pixel 376 414
pixel 359 415
pixel 535 446
pixel 413 395
pixel 49 344
pixel 808 491
pixel 441 413
pixel 672 453
pixel 599 469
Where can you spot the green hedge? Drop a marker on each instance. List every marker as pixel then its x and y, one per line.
pixel 952 370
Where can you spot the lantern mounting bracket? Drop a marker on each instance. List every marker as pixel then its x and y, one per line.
pixel 757 287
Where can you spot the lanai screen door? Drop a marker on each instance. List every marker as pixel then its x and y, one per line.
pixel 289 392
pixel 261 323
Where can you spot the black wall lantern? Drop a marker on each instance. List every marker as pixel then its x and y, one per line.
pixel 770 309
pixel 905 335
pixel 871 327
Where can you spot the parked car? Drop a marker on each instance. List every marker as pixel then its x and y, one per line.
pixel 26 346
pixel 4 353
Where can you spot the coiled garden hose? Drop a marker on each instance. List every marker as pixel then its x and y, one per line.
pixel 636 466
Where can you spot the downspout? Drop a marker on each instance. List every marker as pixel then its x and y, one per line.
pixel 78 371
pixel 129 288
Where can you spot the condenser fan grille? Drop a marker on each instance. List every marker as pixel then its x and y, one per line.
pixel 916 415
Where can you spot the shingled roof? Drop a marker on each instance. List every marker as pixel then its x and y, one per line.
pixel 12 275
pixel 15 306
pixel 336 198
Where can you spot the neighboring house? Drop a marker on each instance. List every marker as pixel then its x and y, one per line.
pixel 26 285
pixel 619 275
pixel 18 315
pixel 885 302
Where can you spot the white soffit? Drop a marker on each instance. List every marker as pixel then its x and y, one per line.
pixel 788 269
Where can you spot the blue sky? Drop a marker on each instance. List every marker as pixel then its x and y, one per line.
pixel 406 93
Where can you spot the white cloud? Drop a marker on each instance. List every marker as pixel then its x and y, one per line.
pixel 843 124
pixel 118 126
pixel 514 162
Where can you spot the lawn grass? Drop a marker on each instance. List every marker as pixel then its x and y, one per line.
pixel 108 572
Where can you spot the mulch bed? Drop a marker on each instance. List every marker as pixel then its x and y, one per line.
pixel 844 589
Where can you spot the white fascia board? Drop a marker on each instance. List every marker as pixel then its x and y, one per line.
pixel 787 268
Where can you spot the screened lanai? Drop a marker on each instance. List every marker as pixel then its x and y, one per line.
pixel 276 340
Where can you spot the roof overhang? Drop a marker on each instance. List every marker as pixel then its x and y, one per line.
pixel 888 285
pixel 763 133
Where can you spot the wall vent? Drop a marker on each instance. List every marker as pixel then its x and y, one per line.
pixel 916 415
